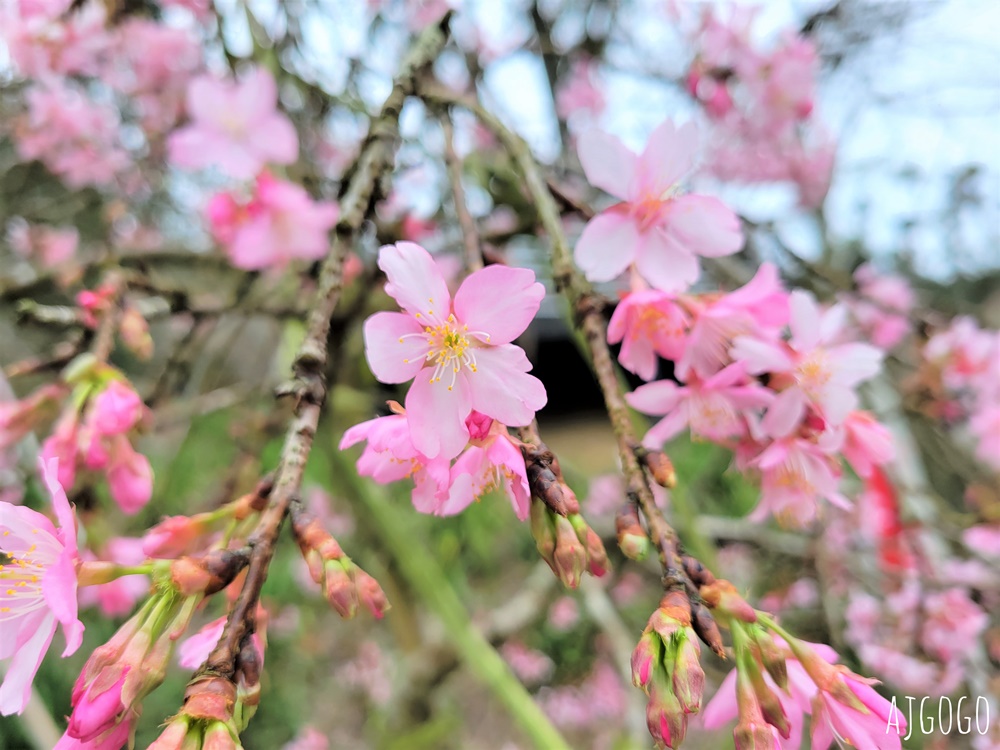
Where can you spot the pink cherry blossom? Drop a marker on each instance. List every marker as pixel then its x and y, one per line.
pixel 794 474
pixel 492 462
pixel 984 539
pixel 985 427
pixel 457 351
pixel 661 232
pixel 580 93
pixel 759 308
pixel 867 443
pixel 822 373
pixel 193 650
pixel 647 323
pixel 952 625
pixel 76 138
pixel 870 727
pixel 713 409
pixel 235 126
pixel 279 223
pixel 390 456
pixel 49 246
pixel 39 588
pixel 130 477
pixel 308 739
pixel 43 44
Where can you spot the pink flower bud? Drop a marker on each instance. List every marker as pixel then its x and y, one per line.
pixel 174 536
pixel 756 736
pixel 134 332
pixel 115 410
pixel 340 590
pixel 95 710
pixel 130 477
pixel 175 737
pixel 371 594
pixel 644 658
pixel 688 676
pixel 219 737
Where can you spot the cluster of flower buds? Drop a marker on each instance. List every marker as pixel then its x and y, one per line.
pixel 344 584
pixel 93 433
pixel 118 675
pixel 563 537
pixel 780 679
pixel 667 666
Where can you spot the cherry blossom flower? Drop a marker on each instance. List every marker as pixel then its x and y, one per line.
pixel 867 443
pixel 759 307
pixel 235 126
pixel 866 726
pixel 38 588
pixel 713 408
pixel 457 351
pixel 390 456
pixel 822 373
pixel 648 323
pixel 493 460
pixel 658 230
pixel 279 223
pixel 794 473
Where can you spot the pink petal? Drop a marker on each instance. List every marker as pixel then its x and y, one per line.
pixel 760 356
pixel 722 708
pixel 436 415
pixel 607 162
pixel 16 688
pixel 669 155
pixel 500 301
pixel 505 454
pixel 501 387
pixel 638 355
pixel 204 95
pixel 59 590
pixel 395 346
pixel 667 428
pixel 665 263
pixel 415 281
pixel 254 97
pixel 607 246
pixel 785 413
pixel 661 397
pixel 704 225
pixel 805 321
pixel 276 139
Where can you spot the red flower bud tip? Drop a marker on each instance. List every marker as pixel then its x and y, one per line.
pixel 644 659
pixel 665 718
pixel 597 557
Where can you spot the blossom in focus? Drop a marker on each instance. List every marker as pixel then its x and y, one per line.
pixel 235 126
pixel 38 590
pixel 279 223
pixel 712 408
pixel 654 227
pixel 492 461
pixel 458 352
pixel 648 323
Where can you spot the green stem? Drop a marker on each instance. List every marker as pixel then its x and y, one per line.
pixel 428 580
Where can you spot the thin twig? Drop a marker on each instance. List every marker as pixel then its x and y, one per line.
pixel 470 234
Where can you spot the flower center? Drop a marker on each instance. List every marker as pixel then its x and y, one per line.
pixel 449 348
pixel 20 582
pixel 649 212
pixel 813 373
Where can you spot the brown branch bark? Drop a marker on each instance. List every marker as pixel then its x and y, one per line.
pixel 308 387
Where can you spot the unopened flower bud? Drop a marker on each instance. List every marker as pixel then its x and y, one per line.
pixel 665 718
pixel 219 737
pixel 543 531
pixel 645 657
pixel 370 594
pixel 570 555
pixel 176 736
pixel 688 676
pixel 209 573
pixel 756 735
pixel 597 556
pixel 707 629
pixel 632 539
pixel 771 656
pixel 339 589
pixel 660 467
pixel 722 596
pixel 175 536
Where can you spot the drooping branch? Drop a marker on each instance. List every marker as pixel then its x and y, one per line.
pixel 308 386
